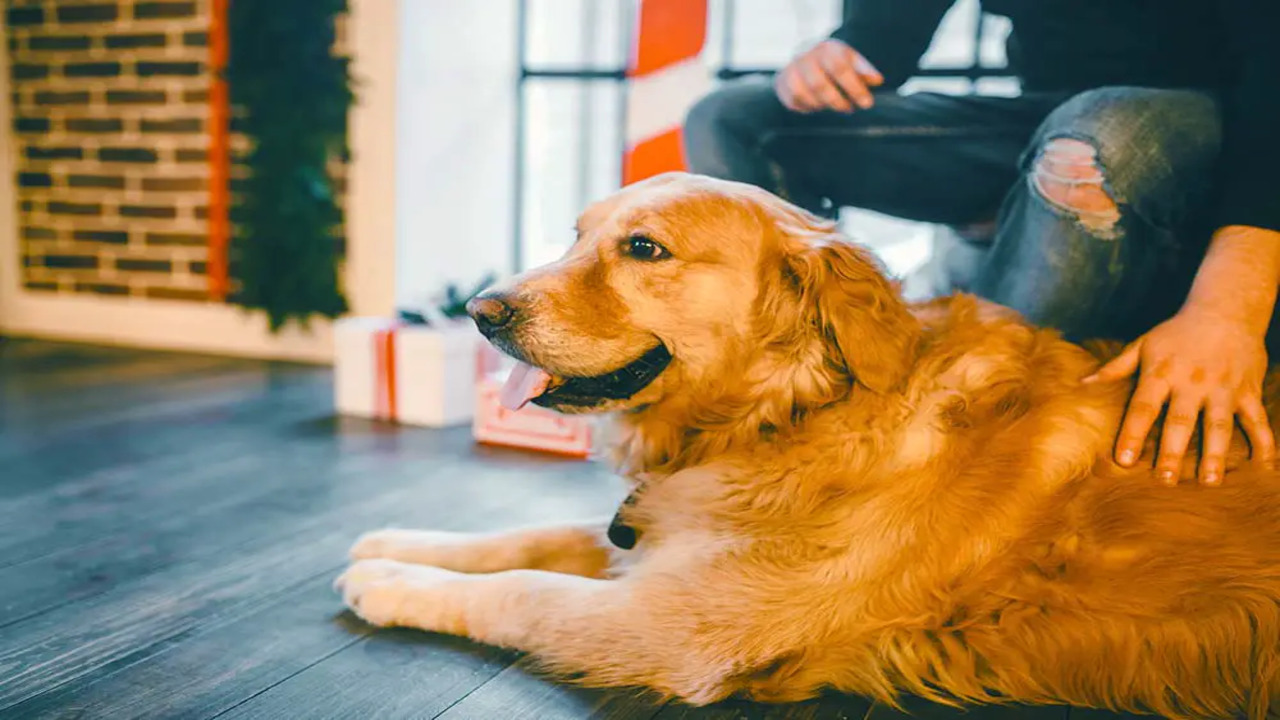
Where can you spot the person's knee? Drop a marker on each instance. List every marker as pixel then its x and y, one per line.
pixel 1112 150
pixel 706 118
pixel 1068 175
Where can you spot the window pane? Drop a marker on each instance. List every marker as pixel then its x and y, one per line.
pixel 573 156
pixel 767 33
pixel 575 34
pixel 995 33
pixel 953 44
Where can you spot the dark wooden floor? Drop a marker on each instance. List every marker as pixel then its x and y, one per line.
pixel 170 525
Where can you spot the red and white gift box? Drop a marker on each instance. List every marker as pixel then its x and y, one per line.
pixel 387 369
pixel 531 427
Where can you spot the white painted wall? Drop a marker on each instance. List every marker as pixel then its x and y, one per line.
pixel 372 35
pixel 455 116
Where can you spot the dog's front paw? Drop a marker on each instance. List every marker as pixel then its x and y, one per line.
pixel 373 589
pixel 386 592
pixel 376 544
pixel 414 546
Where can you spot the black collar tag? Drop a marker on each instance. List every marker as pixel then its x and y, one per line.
pixel 620 534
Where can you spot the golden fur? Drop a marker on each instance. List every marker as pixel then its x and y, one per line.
pixel 835 489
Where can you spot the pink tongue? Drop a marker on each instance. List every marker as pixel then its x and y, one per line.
pixel 523 384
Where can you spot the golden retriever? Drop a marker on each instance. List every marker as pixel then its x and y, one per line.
pixel 834 489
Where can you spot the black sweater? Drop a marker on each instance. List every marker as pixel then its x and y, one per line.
pixel 1231 47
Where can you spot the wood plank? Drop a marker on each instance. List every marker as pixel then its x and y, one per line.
pixel 70 642
pixel 33 359
pixel 848 707
pixel 925 710
pixel 188 470
pixel 726 710
pixel 122 686
pixel 199 577
pixel 30 402
pixel 395 674
pixel 833 707
pixel 1095 714
pixel 185 469
pixel 193 525
pixel 185 527
pixel 42 455
pixel 214 673
pixel 519 692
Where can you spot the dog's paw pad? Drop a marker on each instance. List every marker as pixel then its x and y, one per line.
pixel 387 592
pixel 373 590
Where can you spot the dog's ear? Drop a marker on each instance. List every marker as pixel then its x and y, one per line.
pixel 845 294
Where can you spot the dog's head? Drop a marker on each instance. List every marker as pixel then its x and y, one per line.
pixel 680 284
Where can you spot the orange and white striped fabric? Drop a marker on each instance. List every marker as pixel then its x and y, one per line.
pixel 666 76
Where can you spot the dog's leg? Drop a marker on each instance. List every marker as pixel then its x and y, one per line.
pixel 601 631
pixel 578 549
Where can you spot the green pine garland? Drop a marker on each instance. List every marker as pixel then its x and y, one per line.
pixel 291 95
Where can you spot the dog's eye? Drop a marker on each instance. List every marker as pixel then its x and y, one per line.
pixel 643 248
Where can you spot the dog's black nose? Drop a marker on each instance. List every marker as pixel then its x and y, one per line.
pixel 490 312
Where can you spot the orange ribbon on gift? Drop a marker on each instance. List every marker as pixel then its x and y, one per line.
pixel 384 372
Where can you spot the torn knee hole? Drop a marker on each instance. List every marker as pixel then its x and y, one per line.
pixel 1067 174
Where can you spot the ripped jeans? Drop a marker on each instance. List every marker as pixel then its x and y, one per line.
pixel 1098 199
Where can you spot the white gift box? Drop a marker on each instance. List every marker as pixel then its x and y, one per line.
pixel 411 374
pixel 531 427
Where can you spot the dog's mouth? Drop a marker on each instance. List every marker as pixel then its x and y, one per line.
pixel 529 384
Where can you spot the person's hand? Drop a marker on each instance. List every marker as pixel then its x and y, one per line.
pixel 829 76
pixel 1198 361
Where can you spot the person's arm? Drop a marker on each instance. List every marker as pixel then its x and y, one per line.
pixel 1239 277
pixel 892 34
pixel 1210 359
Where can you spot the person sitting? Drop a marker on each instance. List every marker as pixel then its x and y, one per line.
pixel 1132 189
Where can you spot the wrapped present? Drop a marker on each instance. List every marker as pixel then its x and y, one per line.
pixel 409 369
pixel 529 427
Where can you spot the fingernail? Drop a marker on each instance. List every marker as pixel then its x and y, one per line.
pixel 1126 457
pixel 864 102
pixel 1089 380
pixel 1212 478
pixel 1168 477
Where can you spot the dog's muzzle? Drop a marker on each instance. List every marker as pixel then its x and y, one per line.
pixel 621 384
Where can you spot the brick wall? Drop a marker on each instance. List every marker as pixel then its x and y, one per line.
pixel 110 103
